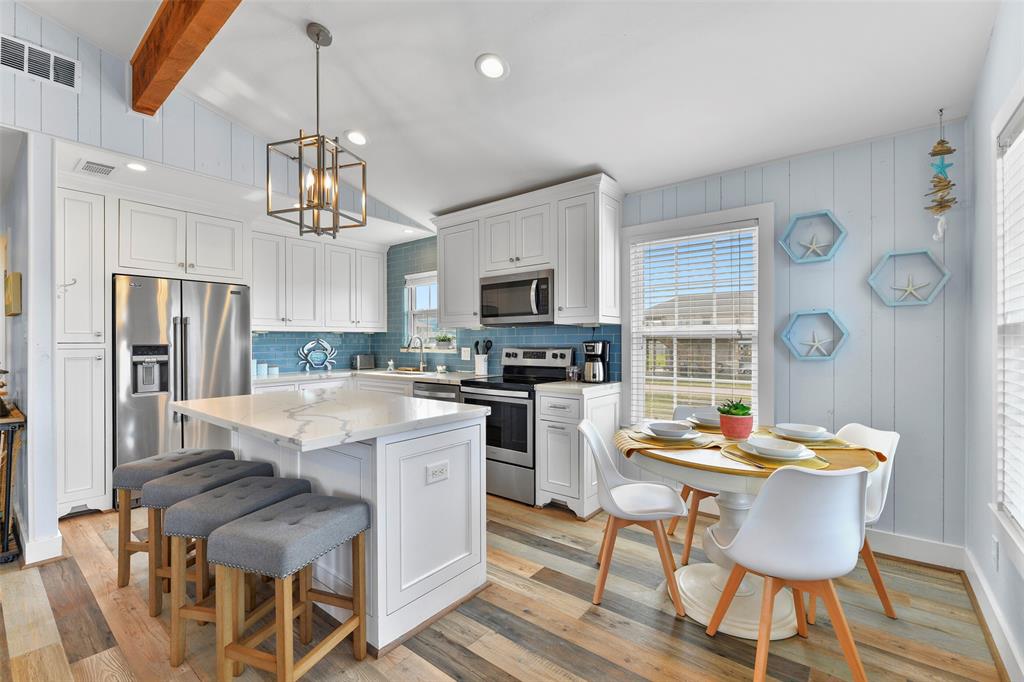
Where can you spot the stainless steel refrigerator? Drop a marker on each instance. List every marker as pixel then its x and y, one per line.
pixel 175 340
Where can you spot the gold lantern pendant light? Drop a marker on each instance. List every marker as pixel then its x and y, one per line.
pixel 327 172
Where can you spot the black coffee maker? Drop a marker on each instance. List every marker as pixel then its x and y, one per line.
pixel 595 361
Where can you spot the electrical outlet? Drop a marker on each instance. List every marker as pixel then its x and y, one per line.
pixel 465 353
pixel 995 553
pixel 437 472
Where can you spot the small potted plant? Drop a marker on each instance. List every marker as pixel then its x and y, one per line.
pixel 444 340
pixel 736 420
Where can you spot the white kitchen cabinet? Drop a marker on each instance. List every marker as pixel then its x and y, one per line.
pixel 576 274
pixel 78 269
pixel 325 384
pixel 339 286
pixel 151 237
pixel 558 458
pixel 458 277
pixel 269 267
pixel 213 247
pixel 305 288
pixel 397 387
pixel 276 388
pixel 79 420
pixel 522 239
pixel 371 291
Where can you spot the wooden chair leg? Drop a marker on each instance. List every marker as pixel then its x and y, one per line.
pixel 225 621
pixel 764 629
pixel 685 494
pixel 177 559
pixel 728 592
pixel 359 595
pixel 691 527
pixel 842 628
pixel 869 560
pixel 155 561
pixel 606 557
pixel 306 617
pixel 284 645
pixel 812 608
pixel 604 539
pixel 801 617
pixel 668 563
pixel 124 534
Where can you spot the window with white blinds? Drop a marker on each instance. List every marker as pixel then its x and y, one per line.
pixel 1010 328
pixel 693 320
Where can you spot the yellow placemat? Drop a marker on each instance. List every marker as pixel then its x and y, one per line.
pixel 734 453
pixel 629 441
pixel 830 444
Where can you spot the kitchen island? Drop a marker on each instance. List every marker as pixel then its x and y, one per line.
pixel 418 463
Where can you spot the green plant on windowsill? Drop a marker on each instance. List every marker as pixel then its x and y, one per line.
pixel 444 340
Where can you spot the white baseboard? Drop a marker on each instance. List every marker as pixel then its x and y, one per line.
pixel 34 551
pixel 1011 654
pixel 916 549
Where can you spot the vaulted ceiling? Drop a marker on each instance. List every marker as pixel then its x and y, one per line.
pixel 651 93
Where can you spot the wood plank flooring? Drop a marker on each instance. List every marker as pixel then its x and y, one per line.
pixel 68 620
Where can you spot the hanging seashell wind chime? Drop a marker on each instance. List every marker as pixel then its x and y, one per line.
pixel 942 186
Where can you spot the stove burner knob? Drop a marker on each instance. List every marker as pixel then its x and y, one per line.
pixel 561 356
pixel 508 355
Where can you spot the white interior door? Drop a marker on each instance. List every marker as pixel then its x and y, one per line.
pixel 79 267
pixel 151 237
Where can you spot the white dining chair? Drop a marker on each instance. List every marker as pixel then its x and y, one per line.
pixel 884 442
pixel 804 529
pixel 690 494
pixel 629 503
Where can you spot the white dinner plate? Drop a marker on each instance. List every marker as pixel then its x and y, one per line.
pixel 689 435
pixel 707 417
pixel 804 432
pixel 747 448
pixel 670 429
pixel 775 447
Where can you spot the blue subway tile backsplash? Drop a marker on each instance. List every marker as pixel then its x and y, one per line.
pixel 280 348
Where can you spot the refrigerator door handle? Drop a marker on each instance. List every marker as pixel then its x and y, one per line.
pixel 184 361
pixel 176 370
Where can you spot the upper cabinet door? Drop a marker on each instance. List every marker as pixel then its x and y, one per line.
pixel 269 267
pixel 458 277
pixel 340 286
pixel 214 247
pixel 498 243
pixel 576 274
pixel 535 237
pixel 151 237
pixel 305 283
pixel 371 293
pixel 79 267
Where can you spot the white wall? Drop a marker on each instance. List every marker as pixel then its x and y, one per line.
pixel 902 368
pixel 1000 584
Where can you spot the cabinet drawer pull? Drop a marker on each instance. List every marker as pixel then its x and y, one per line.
pixel 556 428
pixel 97 333
pixel 560 308
pixel 517 259
pixel 559 407
pixel 191 265
pixel 99 357
pixel 181 265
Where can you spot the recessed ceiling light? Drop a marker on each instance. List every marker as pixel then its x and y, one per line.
pixel 409 230
pixel 356 137
pixel 136 166
pixel 491 66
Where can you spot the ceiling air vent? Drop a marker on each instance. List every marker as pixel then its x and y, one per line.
pixel 95 168
pixel 38 63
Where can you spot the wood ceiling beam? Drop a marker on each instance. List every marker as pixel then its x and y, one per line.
pixel 178 34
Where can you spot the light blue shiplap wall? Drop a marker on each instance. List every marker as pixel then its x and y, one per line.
pixel 186 134
pixel 902 368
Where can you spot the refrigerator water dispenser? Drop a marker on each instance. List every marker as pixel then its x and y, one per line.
pixel 149 369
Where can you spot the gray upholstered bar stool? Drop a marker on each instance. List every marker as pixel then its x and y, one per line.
pixel 197 517
pixel 161 493
pixel 280 541
pixel 130 477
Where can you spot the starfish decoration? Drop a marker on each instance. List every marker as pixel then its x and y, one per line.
pixel 816 344
pixel 814 247
pixel 940 167
pixel 910 289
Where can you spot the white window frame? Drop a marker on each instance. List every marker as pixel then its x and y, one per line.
pixel 692 226
pixel 411 281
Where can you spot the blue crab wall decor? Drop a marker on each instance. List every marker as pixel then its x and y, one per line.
pixel 317 354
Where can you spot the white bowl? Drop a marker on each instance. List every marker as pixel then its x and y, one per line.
pixel 708 416
pixel 669 429
pixel 775 447
pixel 801 430
pixel 746 447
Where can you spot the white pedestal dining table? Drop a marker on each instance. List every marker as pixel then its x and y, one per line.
pixel 737 485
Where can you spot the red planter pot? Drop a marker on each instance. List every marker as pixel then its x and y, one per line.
pixel 736 428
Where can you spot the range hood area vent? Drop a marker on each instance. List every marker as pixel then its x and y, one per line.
pixel 38 63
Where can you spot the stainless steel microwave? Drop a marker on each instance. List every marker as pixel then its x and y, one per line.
pixel 518 299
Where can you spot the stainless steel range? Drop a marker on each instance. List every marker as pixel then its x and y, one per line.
pixel 510 444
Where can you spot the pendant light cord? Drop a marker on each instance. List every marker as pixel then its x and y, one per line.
pixel 318 89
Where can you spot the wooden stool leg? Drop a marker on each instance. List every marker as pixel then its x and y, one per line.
pixel 165 552
pixel 685 494
pixel 843 634
pixel 236 585
pixel 306 617
pixel 801 617
pixel 202 571
pixel 812 608
pixel 124 534
pixel 283 629
pixel 225 621
pixel 606 557
pixel 359 595
pixel 668 563
pixel 869 560
pixel 177 559
pixel 728 592
pixel 155 560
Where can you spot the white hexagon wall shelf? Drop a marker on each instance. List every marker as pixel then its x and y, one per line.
pixel 912 277
pixel 815 334
pixel 813 237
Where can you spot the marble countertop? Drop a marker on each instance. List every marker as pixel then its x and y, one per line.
pixel 321 375
pixel 310 420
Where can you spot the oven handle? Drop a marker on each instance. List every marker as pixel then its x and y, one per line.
pixel 533 296
pixel 521 397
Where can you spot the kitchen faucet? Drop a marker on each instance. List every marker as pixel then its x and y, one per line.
pixel 423 365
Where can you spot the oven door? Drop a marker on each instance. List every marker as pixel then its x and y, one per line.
pixel 509 425
pixel 522 298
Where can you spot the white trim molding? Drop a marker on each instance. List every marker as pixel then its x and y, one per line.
pixel 991 611
pixel 916 549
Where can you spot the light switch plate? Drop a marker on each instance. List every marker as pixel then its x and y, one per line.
pixel 437 472
pixel 465 353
